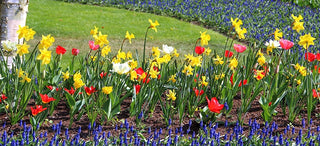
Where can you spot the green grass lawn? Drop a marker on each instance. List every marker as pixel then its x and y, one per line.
pixel 70 24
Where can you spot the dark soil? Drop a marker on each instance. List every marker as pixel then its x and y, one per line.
pixel 155 122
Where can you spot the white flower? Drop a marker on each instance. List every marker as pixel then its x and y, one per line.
pixel 273 44
pixel 167 49
pixel 121 68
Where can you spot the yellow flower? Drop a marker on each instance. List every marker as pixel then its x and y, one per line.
pixel 22 49
pixel 105 51
pixel 129 55
pixel 116 60
pixel 129 36
pixel 45 56
pixel 153 25
pixel 46 42
pixel 236 22
pixel 101 40
pixel 121 55
pixel 25 32
pixel 217 77
pixel 78 83
pixel 187 70
pixel 25 78
pixel 218 60
pixel 277 34
pixel 298 82
pixel 298 26
pixel 259 53
pixel 233 63
pixel 241 32
pixel 296 19
pixel 222 75
pixel 133 75
pixel 20 72
pixel 172 78
pixel 303 70
pixel 204 38
pixel 133 64
pixel 196 61
pixel 153 73
pixel 155 52
pixel 77 76
pixel 203 81
pixel 93 58
pixel 297 66
pixel 107 89
pixel 259 74
pixel 94 31
pixel 207 51
pixel 175 53
pixel 306 41
pixel 188 57
pixel 166 58
pixel 261 60
pixel 66 75
pixel 171 95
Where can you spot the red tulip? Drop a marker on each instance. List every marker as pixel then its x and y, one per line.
pixel 71 91
pixel 214 105
pixel 199 50
pixel 196 91
pixel 37 110
pixel 103 74
pixel 239 48
pixel 228 54
pixel 139 71
pixel 137 87
pixel 60 50
pixel 231 80
pixel 270 103
pixel 244 82
pixel 315 94
pixel 75 51
pixel 318 56
pixel 90 90
pixel 93 46
pixel 46 99
pixel 286 44
pixel 3 97
pixel 49 87
pixel 310 56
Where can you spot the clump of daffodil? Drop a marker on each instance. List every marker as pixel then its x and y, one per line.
pixel 297 25
pixel 153 72
pixel 302 70
pixel 203 81
pixel 233 63
pixel 306 40
pixel 193 61
pixel 65 75
pixel 22 49
pixel 277 34
pixel 100 39
pixel 217 77
pixel 172 78
pixel 187 70
pixel 107 89
pixel 171 95
pixel 236 24
pixel 26 33
pixel 204 38
pixel 94 31
pixel 261 60
pixel 105 51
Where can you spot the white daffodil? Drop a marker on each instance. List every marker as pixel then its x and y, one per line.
pixel 121 68
pixel 9 48
pixel 273 44
pixel 167 49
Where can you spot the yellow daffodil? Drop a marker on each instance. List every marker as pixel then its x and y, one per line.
pixel 65 75
pixel 175 53
pixel 94 31
pixel 107 89
pixel 298 26
pixel 78 84
pixel 233 63
pixel 129 36
pixel 203 81
pixel 101 40
pixel 188 70
pixel 155 52
pixel 153 25
pixel 45 56
pixel 241 32
pixel 188 57
pixel 46 42
pixel 121 55
pixel 20 72
pixel 133 64
pixel 296 19
pixel 207 51
pixel 25 78
pixel 26 33
pixel 77 76
pixel 171 95
pixel 218 60
pixel 261 60
pixel 105 51
pixel 204 38
pixel 172 78
pixel 133 75
pixel 166 58
pixel 93 58
pixel 196 61
pixel 236 22
pixel 298 82
pixel 153 73
pixel 306 41
pixel 277 34
pixel 22 49
pixel 129 55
